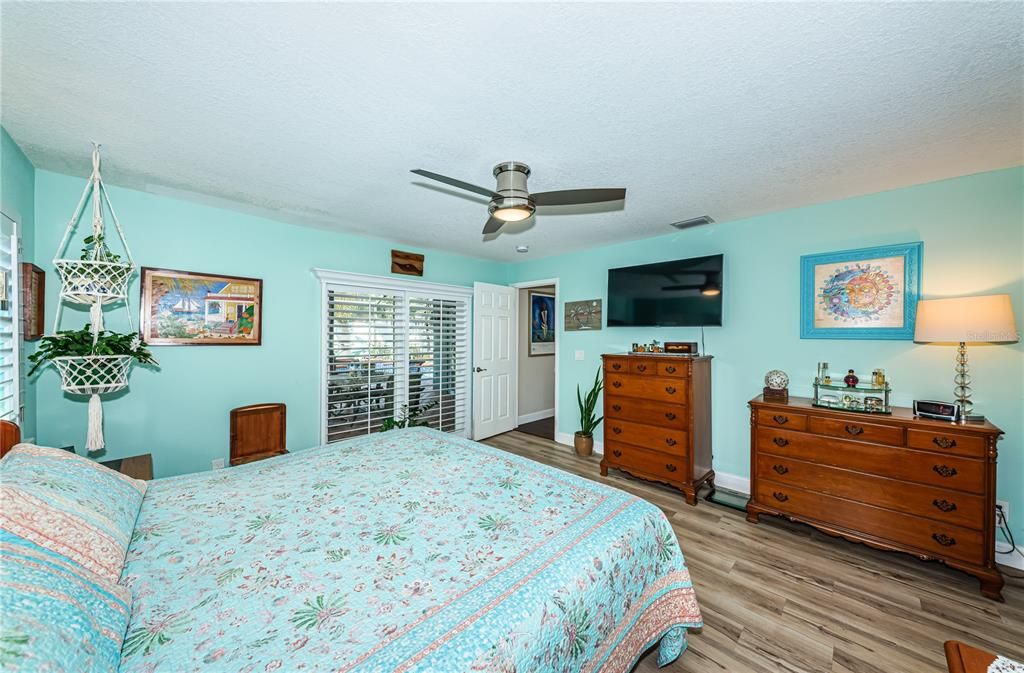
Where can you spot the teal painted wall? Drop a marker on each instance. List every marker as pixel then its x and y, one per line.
pixel 973 233
pixel 17 200
pixel 180 413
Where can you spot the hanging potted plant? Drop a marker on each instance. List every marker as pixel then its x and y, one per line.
pixel 584 439
pixel 98 276
pixel 88 365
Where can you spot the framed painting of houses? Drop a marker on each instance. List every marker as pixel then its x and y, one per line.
pixel 183 308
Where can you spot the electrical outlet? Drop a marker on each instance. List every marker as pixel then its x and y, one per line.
pixel 1005 506
pixel 218 464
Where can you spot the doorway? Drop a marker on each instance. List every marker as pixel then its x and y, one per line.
pixel 538 328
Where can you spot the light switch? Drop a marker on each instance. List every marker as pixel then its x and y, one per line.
pixel 579 355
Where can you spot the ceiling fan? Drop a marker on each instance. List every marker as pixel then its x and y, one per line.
pixel 512 202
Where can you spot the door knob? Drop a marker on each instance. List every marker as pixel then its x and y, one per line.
pixel 479 369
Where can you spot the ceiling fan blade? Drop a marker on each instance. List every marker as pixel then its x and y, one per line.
pixel 567 197
pixel 493 225
pixel 483 191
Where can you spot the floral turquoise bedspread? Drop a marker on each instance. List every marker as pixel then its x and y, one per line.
pixel 411 550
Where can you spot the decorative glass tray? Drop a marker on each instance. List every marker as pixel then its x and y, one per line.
pixel 865 399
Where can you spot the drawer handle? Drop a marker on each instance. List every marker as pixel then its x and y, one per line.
pixel 781 420
pixel 670 369
pixel 616 384
pixel 670 390
pixel 781 469
pixel 670 416
pixel 944 442
pixel 617 430
pixel 670 467
pixel 642 368
pixel 780 441
pixel 944 505
pixel 943 539
pixel 944 471
pixel 670 441
pixel 854 430
pixel 781 497
pixel 617 453
pixel 617 407
pixel 616 366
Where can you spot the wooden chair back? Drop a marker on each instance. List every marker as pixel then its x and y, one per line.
pixel 257 432
pixel 10 434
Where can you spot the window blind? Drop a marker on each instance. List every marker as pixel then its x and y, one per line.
pixel 10 369
pixel 390 348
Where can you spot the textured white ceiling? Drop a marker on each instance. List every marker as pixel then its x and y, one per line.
pixel 314 113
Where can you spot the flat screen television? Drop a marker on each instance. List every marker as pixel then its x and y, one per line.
pixel 681 293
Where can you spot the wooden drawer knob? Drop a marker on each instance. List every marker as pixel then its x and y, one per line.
pixel 670 416
pixel 854 430
pixel 781 420
pixel 944 471
pixel 670 390
pixel 944 505
pixel 781 497
pixel 670 467
pixel 617 430
pixel 642 368
pixel 943 539
pixel 616 366
pixel 670 369
pixel 670 441
pixel 781 469
pixel 616 384
pixel 617 453
pixel 944 442
pixel 780 441
pixel 617 407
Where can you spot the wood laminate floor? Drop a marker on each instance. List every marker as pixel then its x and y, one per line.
pixel 782 597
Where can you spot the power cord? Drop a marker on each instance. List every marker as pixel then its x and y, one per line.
pixel 1004 528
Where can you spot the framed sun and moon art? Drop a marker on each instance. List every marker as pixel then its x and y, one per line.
pixel 184 308
pixel 870 293
pixel 542 324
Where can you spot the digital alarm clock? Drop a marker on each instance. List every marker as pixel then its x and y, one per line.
pixel 942 411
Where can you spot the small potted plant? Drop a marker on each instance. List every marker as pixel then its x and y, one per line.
pixel 584 439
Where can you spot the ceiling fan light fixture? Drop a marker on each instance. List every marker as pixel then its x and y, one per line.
pixel 711 290
pixel 512 213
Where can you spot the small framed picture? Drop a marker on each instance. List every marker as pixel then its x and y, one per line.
pixel 542 324
pixel 869 293
pixel 183 308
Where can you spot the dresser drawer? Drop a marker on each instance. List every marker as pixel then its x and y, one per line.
pixel 922 467
pixel 616 365
pixel 947 442
pixel 678 369
pixel 781 419
pixel 854 429
pixel 655 388
pixel 643 462
pixel 932 502
pixel 643 367
pixel 932 537
pixel 643 411
pixel 647 436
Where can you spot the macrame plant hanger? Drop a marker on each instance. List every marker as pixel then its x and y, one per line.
pixel 95 281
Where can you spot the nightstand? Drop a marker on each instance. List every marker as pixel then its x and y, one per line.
pixel 137 467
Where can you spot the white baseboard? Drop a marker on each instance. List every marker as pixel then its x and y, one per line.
pixel 566 438
pixel 535 416
pixel 733 482
pixel 1015 560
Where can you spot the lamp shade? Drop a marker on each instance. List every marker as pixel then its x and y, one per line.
pixel 985 319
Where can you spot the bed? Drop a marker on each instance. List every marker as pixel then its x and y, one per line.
pixel 411 550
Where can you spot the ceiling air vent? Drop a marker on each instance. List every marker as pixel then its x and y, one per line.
pixel 693 222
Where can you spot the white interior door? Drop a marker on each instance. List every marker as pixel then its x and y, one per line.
pixel 494 359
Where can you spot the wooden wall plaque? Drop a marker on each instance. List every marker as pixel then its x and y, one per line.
pixel 407 263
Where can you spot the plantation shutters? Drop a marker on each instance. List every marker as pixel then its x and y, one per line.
pixel 10 324
pixel 388 344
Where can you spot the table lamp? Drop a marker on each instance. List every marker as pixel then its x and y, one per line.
pixel 963 320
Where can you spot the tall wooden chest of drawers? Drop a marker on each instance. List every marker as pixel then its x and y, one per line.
pixel 657 419
pixel 895 482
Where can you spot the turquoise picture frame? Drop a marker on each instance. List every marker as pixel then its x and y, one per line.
pixel 853 294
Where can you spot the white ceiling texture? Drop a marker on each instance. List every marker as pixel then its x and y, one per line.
pixel 315 113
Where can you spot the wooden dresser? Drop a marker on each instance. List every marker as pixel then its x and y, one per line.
pixel 894 482
pixel 657 419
